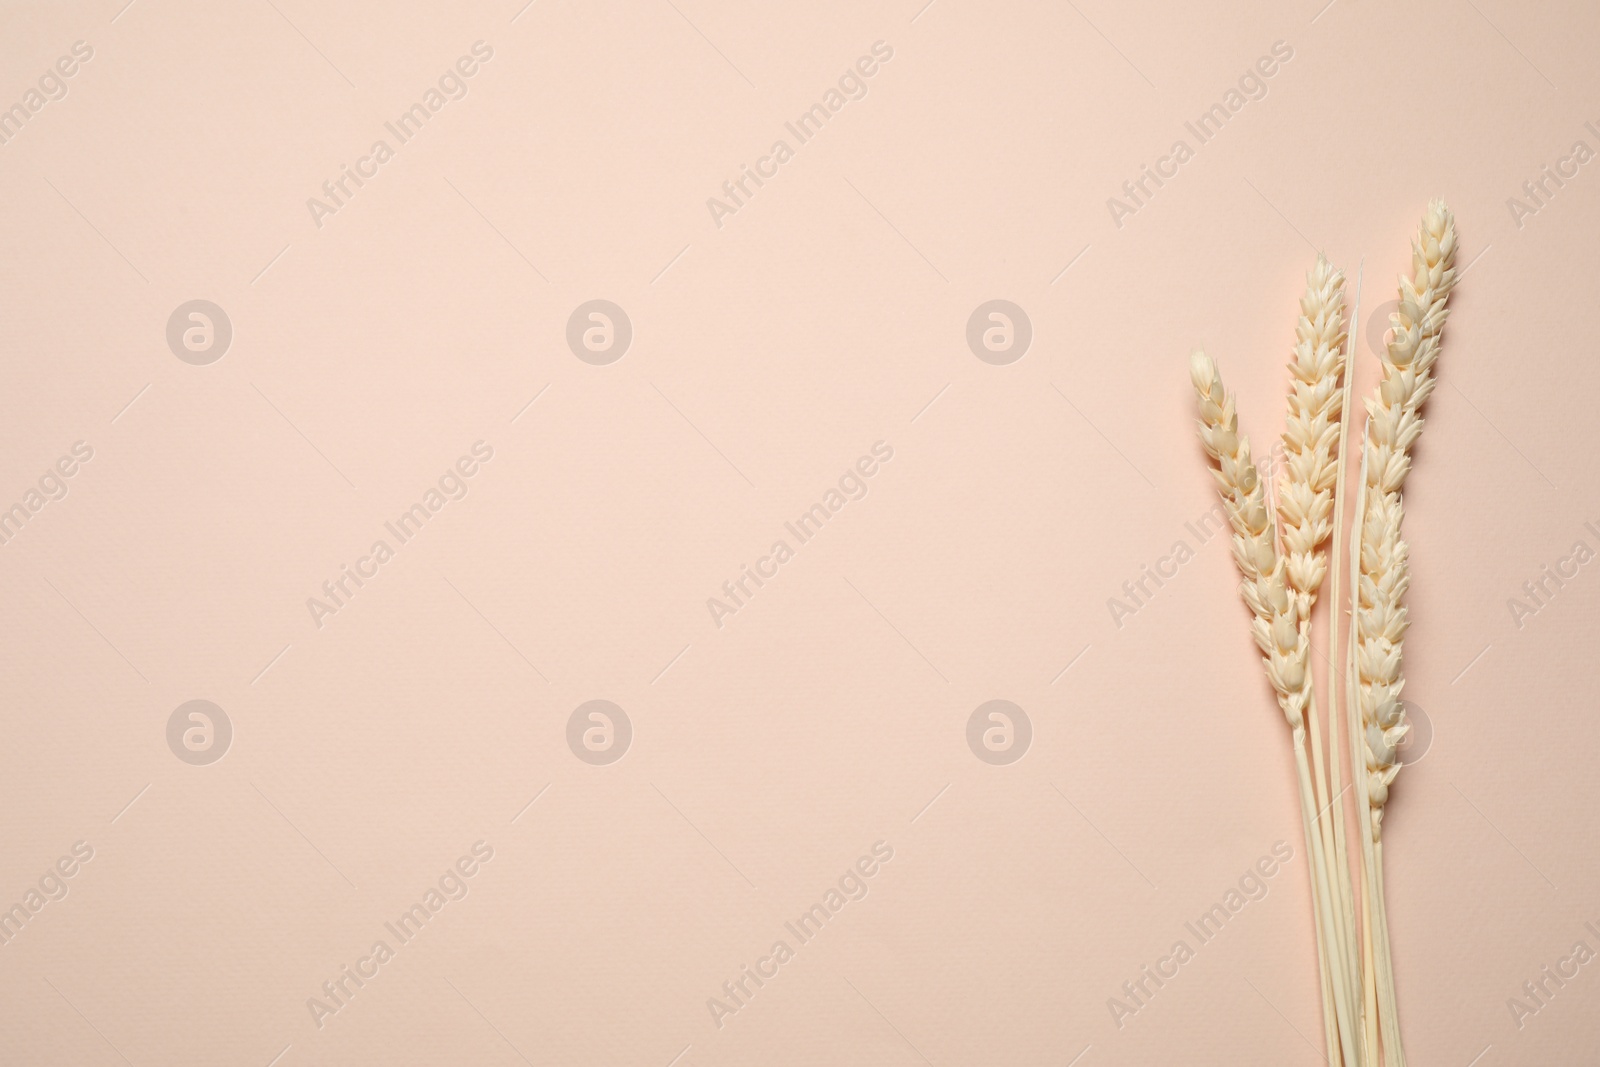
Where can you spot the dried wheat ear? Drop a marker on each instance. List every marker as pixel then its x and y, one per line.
pixel 1280 608
pixel 1378 613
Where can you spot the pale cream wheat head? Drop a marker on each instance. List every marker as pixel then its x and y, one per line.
pixel 1276 616
pixel 1311 433
pixel 1394 423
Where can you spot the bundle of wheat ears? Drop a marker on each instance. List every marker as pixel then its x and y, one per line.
pixel 1279 547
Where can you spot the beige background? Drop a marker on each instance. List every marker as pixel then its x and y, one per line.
pixel 768 355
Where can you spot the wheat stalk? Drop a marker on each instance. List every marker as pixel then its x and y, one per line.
pixel 1394 422
pixel 1312 440
pixel 1356 947
pixel 1281 631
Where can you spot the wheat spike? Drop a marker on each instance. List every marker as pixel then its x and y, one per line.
pixel 1276 614
pixel 1312 440
pixel 1281 632
pixel 1394 422
pixel 1311 434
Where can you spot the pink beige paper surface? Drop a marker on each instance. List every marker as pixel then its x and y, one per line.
pixel 797 381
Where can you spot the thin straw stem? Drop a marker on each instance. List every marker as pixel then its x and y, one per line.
pixel 1330 1017
pixel 1335 959
pixel 1352 942
pixel 1388 1003
pixel 1371 901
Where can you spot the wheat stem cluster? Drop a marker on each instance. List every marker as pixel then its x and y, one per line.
pixel 1281 554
